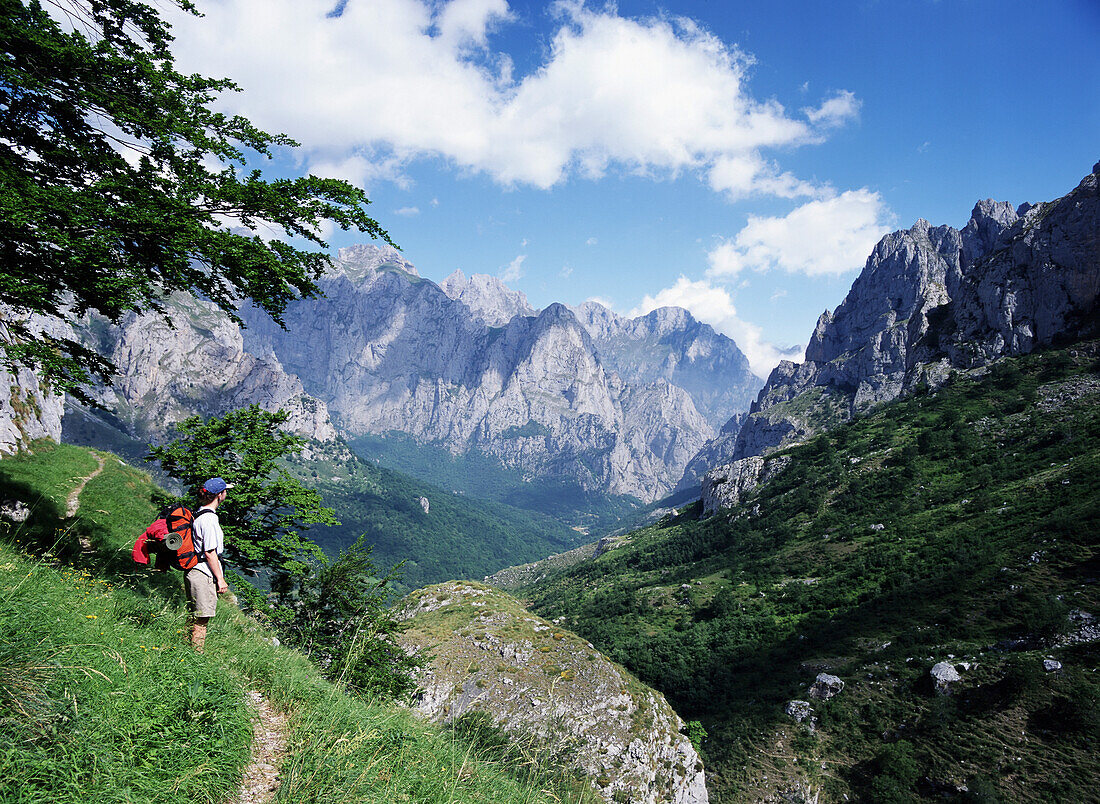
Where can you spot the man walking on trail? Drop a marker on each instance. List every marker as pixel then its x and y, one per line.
pixel 206 580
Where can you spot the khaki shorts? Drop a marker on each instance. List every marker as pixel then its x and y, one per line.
pixel 202 595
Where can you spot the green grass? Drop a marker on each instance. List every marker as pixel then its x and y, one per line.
pixel 988 497
pixel 102 699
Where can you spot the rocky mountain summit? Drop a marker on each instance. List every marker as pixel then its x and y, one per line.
pixel 490 300
pixel 465 367
pixel 537 681
pixel 931 300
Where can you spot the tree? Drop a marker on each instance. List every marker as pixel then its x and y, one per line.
pixel 337 614
pixel 265 512
pixel 107 197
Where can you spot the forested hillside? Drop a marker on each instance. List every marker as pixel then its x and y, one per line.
pixel 959 526
pixel 438 534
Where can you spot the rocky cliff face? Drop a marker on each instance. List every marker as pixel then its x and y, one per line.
pixel 931 300
pixel 669 344
pixel 196 365
pixel 536 680
pixel 390 351
pixel 28 410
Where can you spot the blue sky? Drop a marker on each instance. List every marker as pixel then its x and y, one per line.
pixel 739 159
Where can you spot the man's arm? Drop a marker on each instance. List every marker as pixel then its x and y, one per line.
pixel 216 568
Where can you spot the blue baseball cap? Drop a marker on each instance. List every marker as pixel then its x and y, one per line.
pixel 216 485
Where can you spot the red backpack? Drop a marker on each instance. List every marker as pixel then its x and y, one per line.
pixel 171 538
pixel 184 553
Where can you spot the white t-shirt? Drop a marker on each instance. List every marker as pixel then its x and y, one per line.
pixel 208 533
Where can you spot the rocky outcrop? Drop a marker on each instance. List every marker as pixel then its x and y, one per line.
pixel 724 487
pixel 389 351
pixel 943 676
pixel 931 300
pixel 194 365
pixel 29 410
pixel 538 681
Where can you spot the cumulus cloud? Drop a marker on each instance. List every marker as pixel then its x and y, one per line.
pixel 370 89
pixel 712 304
pixel 825 236
pixel 514 270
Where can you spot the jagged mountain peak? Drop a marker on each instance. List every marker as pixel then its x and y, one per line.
pixel 487 297
pixel 364 261
pixel 931 300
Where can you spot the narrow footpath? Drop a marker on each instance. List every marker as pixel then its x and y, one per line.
pixel 261 777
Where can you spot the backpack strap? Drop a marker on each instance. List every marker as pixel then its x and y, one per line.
pixel 200 548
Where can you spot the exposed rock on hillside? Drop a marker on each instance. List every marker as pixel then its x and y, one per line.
pixel 535 679
pixel 28 411
pixel 931 300
pixel 196 365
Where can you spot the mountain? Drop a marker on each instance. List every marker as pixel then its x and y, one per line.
pixel 905 609
pixel 490 301
pixel 669 345
pixel 192 363
pixel 931 300
pixel 388 351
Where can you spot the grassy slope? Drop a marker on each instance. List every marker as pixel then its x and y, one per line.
pixel 101 700
pixel 988 497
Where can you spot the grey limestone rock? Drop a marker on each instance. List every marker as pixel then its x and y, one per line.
pixel 532 677
pixel 489 300
pixel 196 365
pixel 944 675
pixel 798 710
pixel 826 686
pixel 28 409
pixel 389 351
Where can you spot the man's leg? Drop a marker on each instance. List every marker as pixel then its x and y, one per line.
pixel 198 633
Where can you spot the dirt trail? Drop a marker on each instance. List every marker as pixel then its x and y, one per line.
pixel 261 777
pixel 73 501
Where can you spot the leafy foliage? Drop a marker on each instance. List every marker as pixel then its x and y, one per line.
pixel 338 615
pixel 107 199
pixel 265 512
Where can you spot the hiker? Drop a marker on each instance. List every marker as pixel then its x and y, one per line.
pixel 206 580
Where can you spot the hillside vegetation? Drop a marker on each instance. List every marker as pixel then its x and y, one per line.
pixel 102 700
pixel 456 537
pixel 959 526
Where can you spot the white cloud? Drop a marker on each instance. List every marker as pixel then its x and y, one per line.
pixel 713 305
pixel 748 174
pixel 835 111
pixel 514 270
pixel 591 241
pixel 566 271
pixel 407 212
pixel 389 81
pixel 824 236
